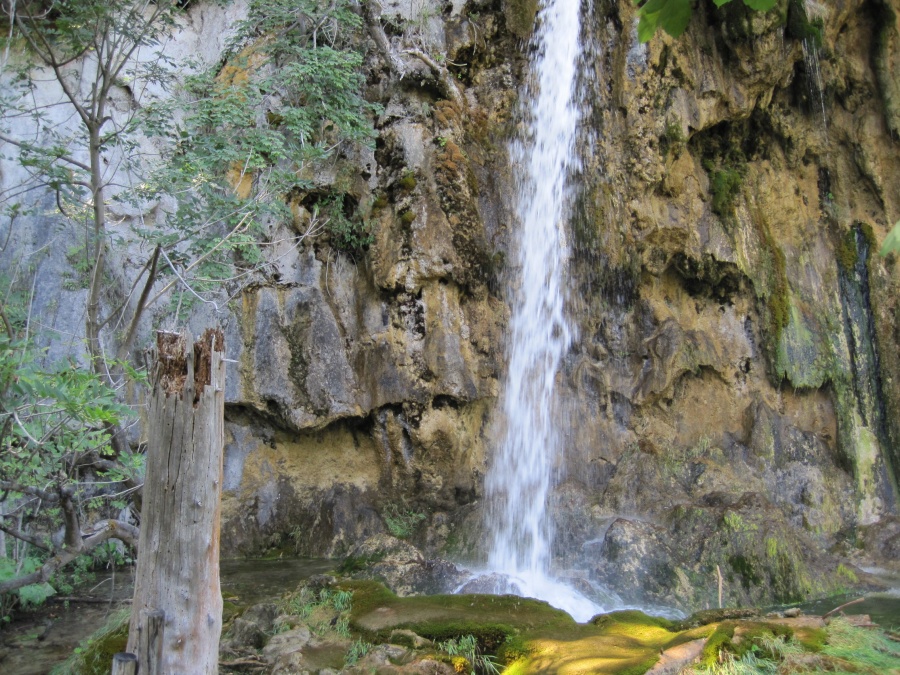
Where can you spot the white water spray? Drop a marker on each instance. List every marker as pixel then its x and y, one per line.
pixel 815 11
pixel 520 479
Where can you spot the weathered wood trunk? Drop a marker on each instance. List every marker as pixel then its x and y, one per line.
pixel 178 564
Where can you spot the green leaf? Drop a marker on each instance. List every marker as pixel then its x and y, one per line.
pixel 759 5
pixel 654 6
pixel 674 19
pixel 892 241
pixel 720 3
pixel 36 594
pixel 647 27
pixel 673 16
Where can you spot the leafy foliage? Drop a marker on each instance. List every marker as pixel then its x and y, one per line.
pixel 251 133
pixel 673 16
pixel 206 163
pixel 54 433
pixel 49 416
pixel 33 594
pixel 402 523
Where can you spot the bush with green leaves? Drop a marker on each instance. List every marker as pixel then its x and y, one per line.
pixel 253 132
pixel 55 471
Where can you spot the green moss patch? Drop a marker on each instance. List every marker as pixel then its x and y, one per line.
pixel 632 617
pixel 519 16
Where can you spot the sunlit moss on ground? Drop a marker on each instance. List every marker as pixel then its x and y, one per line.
pixel 530 637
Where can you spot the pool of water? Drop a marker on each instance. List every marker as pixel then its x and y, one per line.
pixel 883 608
pixel 248 582
pixel 37 642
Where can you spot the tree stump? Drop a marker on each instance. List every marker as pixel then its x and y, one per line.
pixel 124 663
pixel 178 561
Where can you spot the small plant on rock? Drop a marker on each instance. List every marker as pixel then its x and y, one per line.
pixel 357 650
pixel 401 523
pixel 466 647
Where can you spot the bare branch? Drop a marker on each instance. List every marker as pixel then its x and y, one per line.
pixel 62 158
pixel 102 531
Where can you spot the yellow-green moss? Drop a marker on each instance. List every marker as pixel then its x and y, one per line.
pixel 407 182
pixel 846 251
pixel 811 639
pixel 779 301
pixel 632 617
pixel 719 640
pixel 520 16
pixel 530 637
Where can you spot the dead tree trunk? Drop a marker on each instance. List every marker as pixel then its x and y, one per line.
pixel 178 565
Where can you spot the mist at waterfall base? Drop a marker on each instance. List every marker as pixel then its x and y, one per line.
pixel 520 479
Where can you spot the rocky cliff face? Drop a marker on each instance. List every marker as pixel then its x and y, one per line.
pixel 732 401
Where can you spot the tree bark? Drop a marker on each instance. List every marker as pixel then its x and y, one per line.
pixel 178 569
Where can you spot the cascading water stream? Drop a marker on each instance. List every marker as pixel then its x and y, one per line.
pixel 519 481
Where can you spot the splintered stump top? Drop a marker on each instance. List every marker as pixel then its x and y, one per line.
pixel 173 364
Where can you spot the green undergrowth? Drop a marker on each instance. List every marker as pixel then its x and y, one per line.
pixel 759 648
pixel 321 609
pixel 873 649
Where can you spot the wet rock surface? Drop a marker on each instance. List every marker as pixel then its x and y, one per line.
pixel 403 568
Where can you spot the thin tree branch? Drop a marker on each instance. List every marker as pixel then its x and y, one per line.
pixel 124 304
pixel 125 347
pixel 62 158
pixel 34 541
pixel 11 486
pixel 102 531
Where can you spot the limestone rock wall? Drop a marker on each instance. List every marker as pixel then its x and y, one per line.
pixel 733 399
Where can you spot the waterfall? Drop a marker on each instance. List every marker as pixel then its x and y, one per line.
pixel 815 11
pixel 520 479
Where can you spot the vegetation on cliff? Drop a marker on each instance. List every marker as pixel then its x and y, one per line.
pixel 178 175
